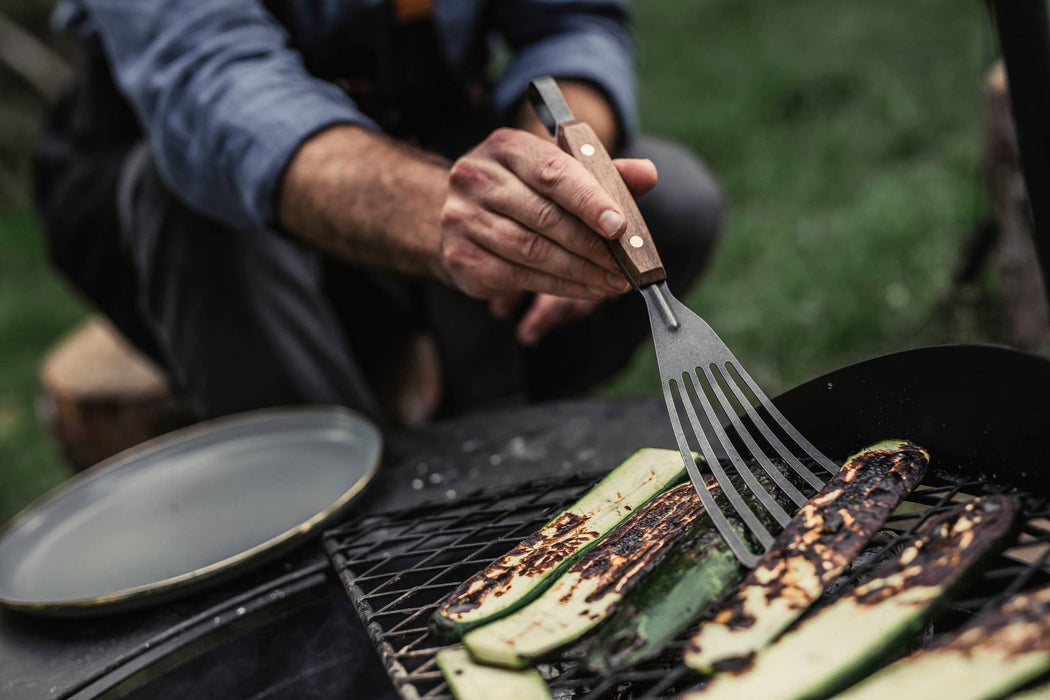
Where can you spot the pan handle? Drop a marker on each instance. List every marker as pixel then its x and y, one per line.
pixel 634 250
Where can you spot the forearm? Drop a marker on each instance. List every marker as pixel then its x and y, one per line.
pixel 367 199
pixel 375 202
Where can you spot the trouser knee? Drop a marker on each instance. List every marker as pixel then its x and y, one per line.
pixel 685 210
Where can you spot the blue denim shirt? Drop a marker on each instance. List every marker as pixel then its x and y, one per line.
pixel 225 91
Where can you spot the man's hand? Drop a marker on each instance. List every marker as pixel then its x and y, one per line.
pixel 522 215
pixel 547 312
pixel 515 216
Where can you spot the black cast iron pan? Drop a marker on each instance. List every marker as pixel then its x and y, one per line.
pixel 980 410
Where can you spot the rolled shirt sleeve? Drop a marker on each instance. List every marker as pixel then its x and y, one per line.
pixel 586 40
pixel 223 97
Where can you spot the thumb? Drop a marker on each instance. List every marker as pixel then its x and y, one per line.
pixel 638 173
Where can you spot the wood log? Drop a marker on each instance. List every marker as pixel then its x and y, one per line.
pixel 102 396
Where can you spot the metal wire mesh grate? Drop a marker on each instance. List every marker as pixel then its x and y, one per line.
pixel 397 567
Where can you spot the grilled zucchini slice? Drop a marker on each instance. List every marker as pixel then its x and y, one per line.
pixel 841 642
pixel 591 588
pixel 818 543
pixel 469 680
pixel 693 577
pixel 987 658
pixel 699 570
pixel 523 573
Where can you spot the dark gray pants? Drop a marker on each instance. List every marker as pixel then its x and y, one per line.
pixel 252 318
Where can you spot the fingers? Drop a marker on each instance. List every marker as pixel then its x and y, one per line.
pixel 547 313
pixel 638 173
pixel 559 177
pixel 544 216
pixel 511 241
pixel 481 274
pixel 503 256
pixel 521 216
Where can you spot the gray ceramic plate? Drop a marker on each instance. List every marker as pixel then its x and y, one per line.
pixel 180 510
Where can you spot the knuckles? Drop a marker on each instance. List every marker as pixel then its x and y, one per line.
pixel 458 256
pixel 455 216
pixel 588 199
pixel 468 267
pixel 502 139
pixel 462 262
pixel 548 215
pixel 535 249
pixel 552 171
pixel 467 175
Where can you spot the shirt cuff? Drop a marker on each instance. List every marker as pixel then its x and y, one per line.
pixel 594 57
pixel 287 119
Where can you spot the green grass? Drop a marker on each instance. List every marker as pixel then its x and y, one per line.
pixel 847 138
pixel 846 135
pixel 35 309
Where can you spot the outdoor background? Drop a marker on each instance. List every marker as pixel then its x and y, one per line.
pixel 847 135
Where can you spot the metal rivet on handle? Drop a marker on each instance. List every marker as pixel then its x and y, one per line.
pixel 587 149
pixel 636 241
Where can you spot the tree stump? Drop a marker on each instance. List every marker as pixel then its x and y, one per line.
pixel 102 396
pixel 1025 303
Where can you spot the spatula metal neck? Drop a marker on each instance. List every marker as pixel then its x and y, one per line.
pixel 658 295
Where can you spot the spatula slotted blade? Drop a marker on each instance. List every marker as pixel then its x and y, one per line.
pixel 707 392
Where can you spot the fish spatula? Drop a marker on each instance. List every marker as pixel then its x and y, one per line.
pixel 727 414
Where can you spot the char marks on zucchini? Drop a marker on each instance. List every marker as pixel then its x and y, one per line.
pixel 945 546
pixel 697 573
pixel 699 570
pixel 1018 626
pixel 523 573
pixel 591 588
pixel 642 542
pixel 538 552
pixel 987 658
pixel 842 641
pixel 818 543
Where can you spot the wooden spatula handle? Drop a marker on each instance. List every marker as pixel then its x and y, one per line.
pixel 634 249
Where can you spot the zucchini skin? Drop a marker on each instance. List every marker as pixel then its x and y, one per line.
pixel 529 568
pixel 469 680
pixel 987 658
pixel 696 575
pixel 842 642
pixel 585 594
pixel 819 542
pixel 1041 692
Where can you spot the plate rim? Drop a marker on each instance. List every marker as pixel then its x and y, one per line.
pixel 174 438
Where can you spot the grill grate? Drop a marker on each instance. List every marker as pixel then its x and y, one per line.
pixel 397 567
